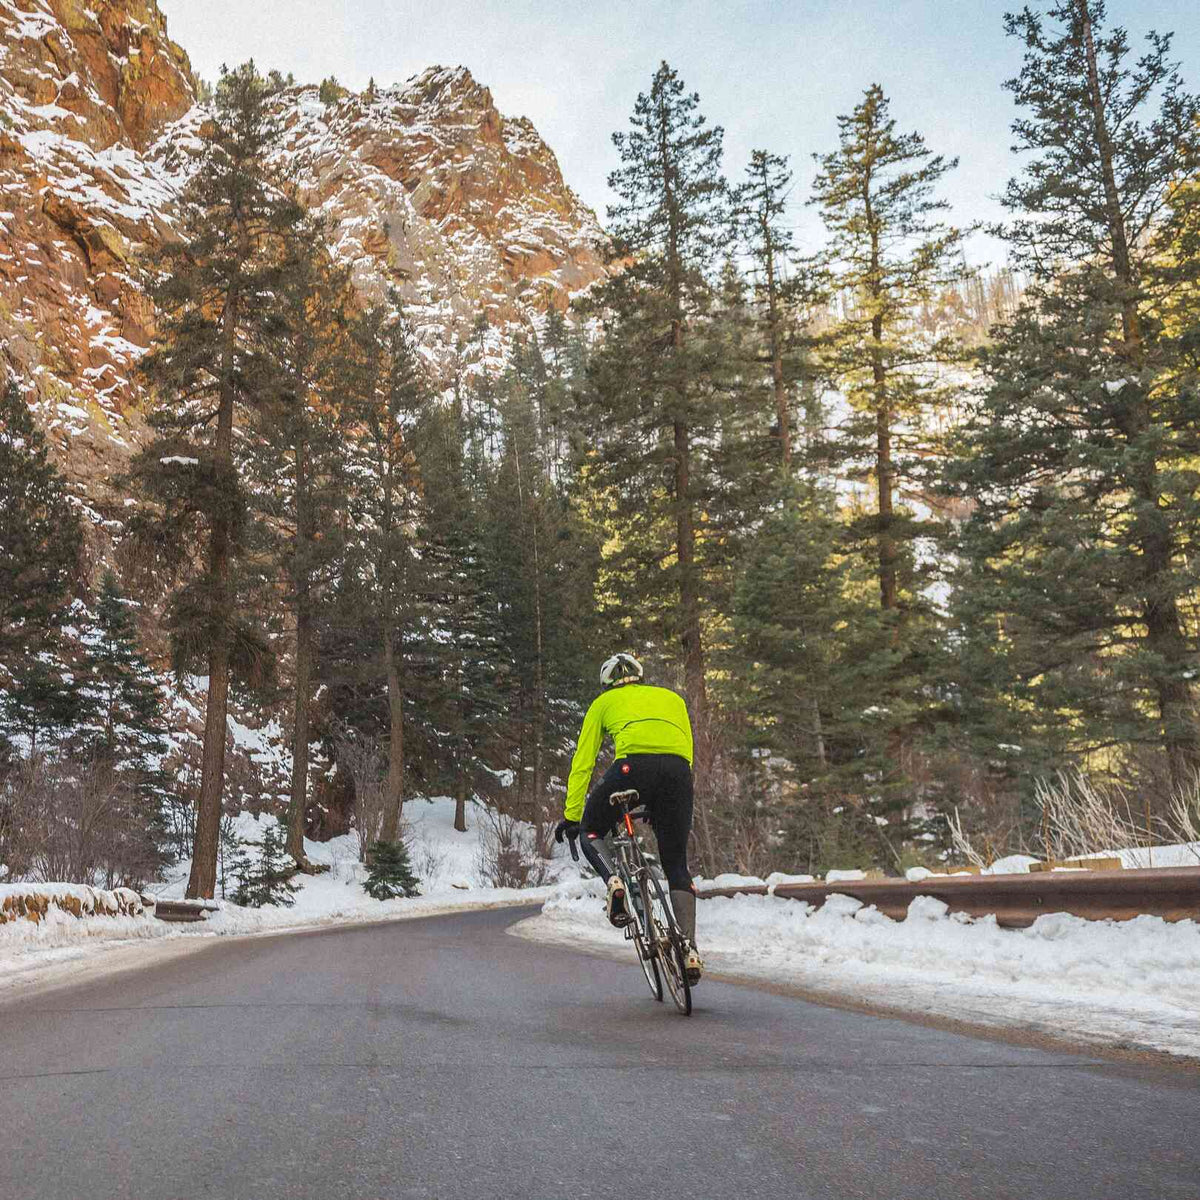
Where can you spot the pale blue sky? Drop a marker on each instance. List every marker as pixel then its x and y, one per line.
pixel 774 73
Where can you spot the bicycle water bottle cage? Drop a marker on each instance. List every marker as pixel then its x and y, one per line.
pixel 630 796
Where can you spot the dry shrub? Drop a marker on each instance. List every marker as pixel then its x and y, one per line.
pixel 509 855
pixel 427 860
pixel 1182 821
pixel 365 761
pixel 76 823
pixel 961 842
pixel 1080 817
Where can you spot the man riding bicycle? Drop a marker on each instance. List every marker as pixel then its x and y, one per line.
pixel 653 737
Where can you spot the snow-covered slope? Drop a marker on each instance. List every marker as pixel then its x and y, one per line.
pixel 451 866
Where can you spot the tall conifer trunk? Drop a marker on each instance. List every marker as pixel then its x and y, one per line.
pixel 395 690
pixel 685 526
pixel 202 879
pixel 1164 630
pixel 300 726
pixel 776 343
pixel 883 417
pixel 390 585
pixel 304 658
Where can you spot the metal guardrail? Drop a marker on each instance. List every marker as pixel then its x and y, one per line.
pixel 179 910
pixel 1016 901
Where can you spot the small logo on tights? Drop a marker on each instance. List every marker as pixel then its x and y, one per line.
pixel 624 768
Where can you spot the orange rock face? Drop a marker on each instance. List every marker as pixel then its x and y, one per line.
pixel 429 191
pixel 83 92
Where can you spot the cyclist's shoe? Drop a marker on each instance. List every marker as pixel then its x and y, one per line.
pixel 693 966
pixel 618 914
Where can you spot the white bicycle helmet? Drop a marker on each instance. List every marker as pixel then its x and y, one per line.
pixel 621 668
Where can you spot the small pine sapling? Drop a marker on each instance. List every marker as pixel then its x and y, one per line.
pixel 389 872
pixel 267 881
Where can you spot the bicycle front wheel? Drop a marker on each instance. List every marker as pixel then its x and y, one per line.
pixel 642 942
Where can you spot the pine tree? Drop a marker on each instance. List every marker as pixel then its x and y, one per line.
pixel 1080 454
pixel 265 878
pixel 297 453
pixel 759 205
pixel 122 719
pixel 386 395
pixel 647 399
pixel 541 569
pixel 330 91
pixel 40 542
pixel 888 255
pixel 791 605
pixel 390 873
pixel 217 291
pixel 39 700
pixel 120 730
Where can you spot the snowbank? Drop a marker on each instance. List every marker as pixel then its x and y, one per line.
pixel 1135 982
pixel 447 862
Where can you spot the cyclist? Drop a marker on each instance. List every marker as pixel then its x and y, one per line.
pixel 653 739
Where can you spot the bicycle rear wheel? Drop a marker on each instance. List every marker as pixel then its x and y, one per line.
pixel 669 941
pixel 675 970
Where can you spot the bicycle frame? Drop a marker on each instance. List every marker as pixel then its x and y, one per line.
pixel 658 939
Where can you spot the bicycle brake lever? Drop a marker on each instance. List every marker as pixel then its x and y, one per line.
pixel 572 842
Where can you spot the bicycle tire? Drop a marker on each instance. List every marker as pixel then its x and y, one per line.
pixel 671 953
pixel 675 970
pixel 637 900
pixel 644 946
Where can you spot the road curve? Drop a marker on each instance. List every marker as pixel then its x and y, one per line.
pixel 441 1059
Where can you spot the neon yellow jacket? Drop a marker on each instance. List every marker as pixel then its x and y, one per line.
pixel 640 719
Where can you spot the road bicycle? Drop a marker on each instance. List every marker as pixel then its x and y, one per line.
pixel 656 936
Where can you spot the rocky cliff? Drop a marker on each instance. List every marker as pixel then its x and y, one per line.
pixel 428 190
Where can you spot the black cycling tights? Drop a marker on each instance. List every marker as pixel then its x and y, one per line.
pixel 664 783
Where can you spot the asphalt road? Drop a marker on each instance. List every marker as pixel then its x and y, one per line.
pixel 443 1058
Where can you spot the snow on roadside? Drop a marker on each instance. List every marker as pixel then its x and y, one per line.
pixel 447 862
pixel 1135 983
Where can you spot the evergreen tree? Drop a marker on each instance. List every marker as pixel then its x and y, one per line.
pixel 40 701
pixel 386 394
pixel 122 721
pixel 540 572
pixel 1080 455
pixel 330 91
pixel 460 643
pixel 265 878
pixel 888 255
pixel 760 205
pixel 120 732
pixel 217 291
pixel 648 402
pixel 298 454
pixel 390 873
pixel 40 542
pixel 791 612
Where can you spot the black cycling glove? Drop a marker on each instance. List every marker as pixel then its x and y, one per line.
pixel 569 830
